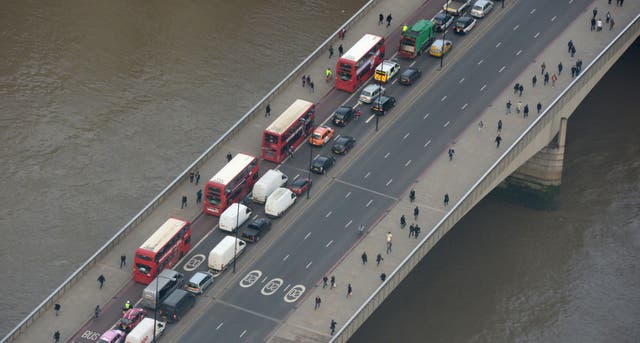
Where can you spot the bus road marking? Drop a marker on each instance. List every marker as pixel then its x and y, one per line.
pixel 348 194
pixel 348 223
pixel 328 244
pixel 483 87
pixel 369 119
pixel 194 262
pixel 426 116
pixel 285 258
pixel 408 163
pixel 243 332
pixel 519 52
pixel 388 183
pixel 294 293
pixel 427 143
pixel 407 135
pixel 387 155
pixel 536 35
pixel 499 43
pixel 446 124
pixel 219 326
pixel 272 286
pixel 251 278
pixel 464 106
pixel 328 214
pixel 367 175
pixel 307 236
pixel 443 98
pixel 308 265
pixel 501 69
pixel 369 203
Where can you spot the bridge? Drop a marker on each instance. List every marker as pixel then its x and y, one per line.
pixel 370 185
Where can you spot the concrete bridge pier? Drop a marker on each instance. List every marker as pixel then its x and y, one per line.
pixel 536 183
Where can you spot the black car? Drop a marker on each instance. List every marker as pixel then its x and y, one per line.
pixel 322 163
pixel 256 229
pixel 343 145
pixel 409 76
pixel 343 115
pixel 464 24
pixel 442 21
pixel 382 104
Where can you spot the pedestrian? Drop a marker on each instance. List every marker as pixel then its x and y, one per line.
pixel 411 230
pixel 56 337
pixel 183 203
pixel 127 305
pixel 267 110
pixel 389 18
pixel 608 17
pixel 349 290
pixel 534 79
pixel 290 151
pixel 480 125
pixel 332 326
pixel 543 66
pixel 123 261
pixel 569 46
pixel 308 79
pixel 508 106
pixel 412 195
pixel 416 231
pixel 516 88
pixel 191 175
pixel 342 33
pixel 499 126
pixel 595 11
pixel 621 2
pixel 539 107
pixel 330 51
pixel 96 311
pixel 383 277
pixel 56 308
pixel 451 153
pixel 554 78
pixel 333 282
pixel 546 78
pixel 380 19
pixel 573 50
pixel 403 222
pixel 593 24
pixel 304 81
pixel 197 177
pixel 364 257
pixel 101 280
pixel 559 68
pixel 446 195
pixel 526 111
pixel 498 140
pixel 340 50
pixel 199 196
pixel 611 23
pixel 311 86
pixel 573 71
pixel 609 2
pixel 519 107
pixel 521 89
pixel 318 301
pixel 325 280
pixel 389 241
pixel 416 211
pixel 229 157
pixel 379 259
pixel 599 24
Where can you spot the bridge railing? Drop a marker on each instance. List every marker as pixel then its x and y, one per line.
pixel 293 76
pixel 490 178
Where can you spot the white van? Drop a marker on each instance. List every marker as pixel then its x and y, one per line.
pixel 222 255
pixel 268 183
pixel 233 217
pixel 143 332
pixel 279 201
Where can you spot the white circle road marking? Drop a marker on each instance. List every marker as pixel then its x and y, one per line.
pixel 251 278
pixel 194 262
pixel 272 286
pixel 294 293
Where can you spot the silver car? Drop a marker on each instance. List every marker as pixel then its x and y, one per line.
pixel 370 93
pixel 199 282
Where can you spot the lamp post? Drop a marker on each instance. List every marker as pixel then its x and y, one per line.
pixel 235 242
pixel 444 37
pixel 379 104
pixel 155 311
pixel 502 3
pixel 309 172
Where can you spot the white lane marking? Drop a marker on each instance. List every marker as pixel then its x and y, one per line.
pixel 297 176
pixel 389 182
pixel 367 175
pixel 570 1
pixel 369 203
pixel 251 278
pixel 464 106
pixel 272 286
pixel 285 258
pixel 499 43
pixel 328 214
pixel 369 119
pixel 516 27
pixel 426 116
pixel 348 194
pixel 336 137
pixel 554 18
pixel 407 135
pixel 461 80
pixel 412 63
pixel 446 124
pixel 483 87
pixel 219 326
pixel 394 81
pixel 532 11
pixel 387 155
pixel 501 69
pixel 263 280
pixel 307 236
pixel 536 35
pixel 285 289
pixel 408 163
pixel 443 98
pixel 480 62
pixel 348 223
pixel 427 143
pixel 243 332
pixel 328 244
pixel 519 52
pixel 308 265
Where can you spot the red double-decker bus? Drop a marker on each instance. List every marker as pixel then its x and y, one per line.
pixel 359 62
pixel 288 131
pixel 162 250
pixel 230 184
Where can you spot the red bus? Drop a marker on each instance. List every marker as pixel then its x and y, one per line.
pixel 162 250
pixel 288 131
pixel 357 64
pixel 230 184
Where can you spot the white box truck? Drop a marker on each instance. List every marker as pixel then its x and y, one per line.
pixel 268 183
pixel 143 332
pixel 222 254
pixel 233 217
pixel 279 201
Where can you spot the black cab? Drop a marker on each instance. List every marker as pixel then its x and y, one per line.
pixel 176 305
pixel 409 76
pixel 343 115
pixel 383 104
pixel 256 229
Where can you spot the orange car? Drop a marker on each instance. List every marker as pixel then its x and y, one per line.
pixel 321 135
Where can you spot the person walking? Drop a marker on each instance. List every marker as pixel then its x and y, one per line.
pixel 573 51
pixel 416 211
pixel 379 259
pixel 498 140
pixel 183 203
pixel 380 19
pixel 199 196
pixel 389 241
pixel 96 311
pixel 56 308
pixel 333 282
pixel 325 280
pixel 534 79
pixel 191 175
pixel 311 86
pixel 330 51
pixel 599 25
pixel 569 46
pixel 328 73
pixel 349 291
pixel 554 78
pixel 525 111
pixel 101 280
pixel 446 199
pixel 364 258
pixel 197 177
pixel 123 261
pixel 611 23
pixel 267 110
pixel 383 277
pixel 595 11
pixel 521 89
pixel 559 68
pixel 593 24
pixel 340 50
pixel 127 305
pixel 539 107
pixel 389 18
pixel 516 88
pixel 318 301
pixel 416 232
pixel 543 66
pixel 480 125
pixel 499 126
pixel 546 79
pixel 518 107
pixel 412 195
pixel 56 336
pixel 451 153
pixel 573 71
pixel 607 17
pixel 229 157
pixel 403 222
pixel 412 229
pixel 332 327
pixel 508 106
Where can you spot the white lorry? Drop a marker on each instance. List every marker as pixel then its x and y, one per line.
pixel 233 217
pixel 223 254
pixel 143 332
pixel 279 201
pixel 268 183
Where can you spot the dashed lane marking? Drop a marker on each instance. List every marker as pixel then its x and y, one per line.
pixel 427 143
pixel 406 135
pixel 501 69
pixel 443 98
pixel 536 35
pixel 328 244
pixel 367 175
pixel 388 183
pixel 483 87
pixel 308 265
pixel 461 80
pixel 532 11
pixel 519 52
pixel 499 43
pixel 369 203
pixel 243 333
pixel 480 62
pixel 446 124
pixel 554 18
pixel 219 326
pixel 387 155
pixel 328 214
pixel 464 106
pixel 347 195
pixel 307 236
pixel 369 119
pixel 408 163
pixel 426 116
pixel 516 27
pixel 348 223
pixel 285 258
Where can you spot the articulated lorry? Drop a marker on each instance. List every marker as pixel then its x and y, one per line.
pixel 416 39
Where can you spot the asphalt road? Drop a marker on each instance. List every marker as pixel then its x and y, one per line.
pixel 303 246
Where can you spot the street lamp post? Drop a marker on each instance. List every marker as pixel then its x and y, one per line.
pixel 502 3
pixel 235 242
pixel 309 172
pixel 444 38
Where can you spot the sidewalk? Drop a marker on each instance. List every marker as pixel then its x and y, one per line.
pixel 80 299
pixel 475 153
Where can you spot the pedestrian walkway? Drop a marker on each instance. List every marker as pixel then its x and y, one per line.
pixel 475 151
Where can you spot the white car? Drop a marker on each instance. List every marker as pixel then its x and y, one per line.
pixel 370 93
pixel 481 8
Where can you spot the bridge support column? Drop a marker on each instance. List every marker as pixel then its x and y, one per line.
pixel 536 183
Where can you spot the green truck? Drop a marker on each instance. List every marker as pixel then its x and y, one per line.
pixel 416 39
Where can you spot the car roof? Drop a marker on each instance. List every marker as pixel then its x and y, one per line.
pixel 198 277
pixel 409 71
pixel 344 109
pixel 344 139
pixel 322 158
pixel 300 181
pixel 371 87
pixel 321 129
pixel 441 14
pixel 465 19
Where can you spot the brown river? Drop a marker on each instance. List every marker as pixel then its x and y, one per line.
pixel 104 103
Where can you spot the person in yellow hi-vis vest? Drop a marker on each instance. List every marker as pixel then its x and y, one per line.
pixel 405 28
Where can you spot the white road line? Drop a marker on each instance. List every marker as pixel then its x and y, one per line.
pixel 501 69
pixel 412 63
pixel 426 116
pixel 388 183
pixel 367 175
pixel 407 135
pixel 461 80
pixel 446 124
pixel 408 163
pixel 369 119
pixel 254 217
pixel 532 11
pixel 328 244
pixel 285 258
pixel 499 43
pixel 536 35
pixel 483 87
pixel 336 137
pixel 443 98
pixel 369 203
pixel 427 143
pixel 264 280
pixel 480 62
pixel 308 265
pixel 348 194
pixel 297 176
pixel 243 333
pixel 328 214
pixel 516 27
pixel 219 326
pixel 285 289
pixel 570 1
pixel 394 81
pixel 387 155
pixel 348 223
pixel 554 18
pixel 307 236
pixel 519 52
pixel 464 106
